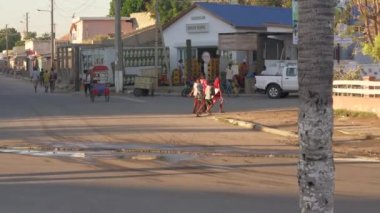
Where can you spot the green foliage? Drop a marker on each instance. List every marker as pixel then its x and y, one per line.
pixel 111 11
pixel 128 7
pixel 168 9
pixel 45 36
pixel 132 6
pixel 30 35
pixel 351 74
pixel 353 114
pixel 342 16
pixel 20 43
pixel 274 3
pixel 373 51
pixel 13 37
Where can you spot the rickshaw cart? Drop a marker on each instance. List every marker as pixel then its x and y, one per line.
pixel 147 83
pixel 99 83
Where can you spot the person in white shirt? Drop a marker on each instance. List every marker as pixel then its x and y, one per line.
pixel 86 79
pixel 229 74
pixel 35 78
pixel 194 92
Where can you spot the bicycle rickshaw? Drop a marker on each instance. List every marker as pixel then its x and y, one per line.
pixel 99 83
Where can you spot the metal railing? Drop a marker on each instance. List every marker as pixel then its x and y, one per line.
pixel 356 88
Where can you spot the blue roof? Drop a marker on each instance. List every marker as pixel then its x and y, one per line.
pixel 249 16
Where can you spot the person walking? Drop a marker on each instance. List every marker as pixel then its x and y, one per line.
pixel 194 92
pixel 53 79
pixel 203 82
pixel 199 99
pixel 35 78
pixel 46 79
pixel 209 94
pixel 206 101
pixel 218 97
pixel 86 80
pixel 42 77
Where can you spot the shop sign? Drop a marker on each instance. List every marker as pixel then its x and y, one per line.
pixel 194 18
pixel 197 28
pixel 238 41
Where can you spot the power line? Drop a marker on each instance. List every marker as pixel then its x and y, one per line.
pixel 90 3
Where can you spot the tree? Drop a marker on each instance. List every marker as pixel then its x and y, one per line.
pixel 316 172
pixel 45 36
pixel 30 35
pixel 369 11
pixel 373 50
pixel 275 3
pixel 168 9
pixel 13 37
pixel 20 43
pixel 369 23
pixel 128 7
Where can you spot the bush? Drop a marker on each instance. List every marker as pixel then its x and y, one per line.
pixel 350 74
pixel 354 114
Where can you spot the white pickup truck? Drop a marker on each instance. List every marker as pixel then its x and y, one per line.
pixel 280 84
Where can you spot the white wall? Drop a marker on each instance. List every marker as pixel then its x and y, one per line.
pixel 100 56
pixel 41 47
pixel 175 35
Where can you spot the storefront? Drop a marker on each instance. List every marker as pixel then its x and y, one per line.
pixel 204 22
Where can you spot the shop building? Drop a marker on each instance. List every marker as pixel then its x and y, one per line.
pixel 204 23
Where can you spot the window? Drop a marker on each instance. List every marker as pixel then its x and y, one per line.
pixel 291 72
pixel 181 54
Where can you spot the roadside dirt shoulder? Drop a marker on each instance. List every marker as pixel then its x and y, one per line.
pixel 352 136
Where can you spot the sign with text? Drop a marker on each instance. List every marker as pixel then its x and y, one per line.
pixel 197 28
pixel 243 41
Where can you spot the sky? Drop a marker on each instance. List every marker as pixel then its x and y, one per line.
pixel 13 13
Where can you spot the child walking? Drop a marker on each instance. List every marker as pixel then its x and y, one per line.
pixel 209 94
pixel 199 98
pixel 207 101
pixel 194 93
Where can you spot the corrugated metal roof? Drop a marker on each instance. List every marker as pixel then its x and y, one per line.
pixel 249 16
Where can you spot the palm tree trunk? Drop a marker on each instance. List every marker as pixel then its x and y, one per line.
pixel 316 170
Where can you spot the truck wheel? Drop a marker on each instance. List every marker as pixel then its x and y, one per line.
pixel 137 92
pixel 284 94
pixel 274 91
pixel 145 92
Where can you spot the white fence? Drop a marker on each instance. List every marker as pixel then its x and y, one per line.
pixel 357 88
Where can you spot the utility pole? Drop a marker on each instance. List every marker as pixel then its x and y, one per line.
pixel 156 37
pixel 27 23
pixel 6 44
pixel 189 57
pixel 159 27
pixel 52 32
pixel 119 49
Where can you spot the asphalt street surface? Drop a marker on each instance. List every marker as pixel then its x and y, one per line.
pixel 197 165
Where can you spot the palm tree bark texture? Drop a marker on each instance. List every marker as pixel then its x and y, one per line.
pixel 316 171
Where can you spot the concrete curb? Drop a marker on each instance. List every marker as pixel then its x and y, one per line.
pixel 256 126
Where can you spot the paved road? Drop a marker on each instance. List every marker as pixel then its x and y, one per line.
pixel 202 165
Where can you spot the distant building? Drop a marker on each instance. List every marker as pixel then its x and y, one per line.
pixel 39 53
pixel 84 29
pixel 143 20
pixel 205 23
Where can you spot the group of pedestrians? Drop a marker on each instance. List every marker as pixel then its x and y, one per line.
pixel 45 78
pixel 206 94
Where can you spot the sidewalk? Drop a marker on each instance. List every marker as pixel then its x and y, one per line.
pixel 352 136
